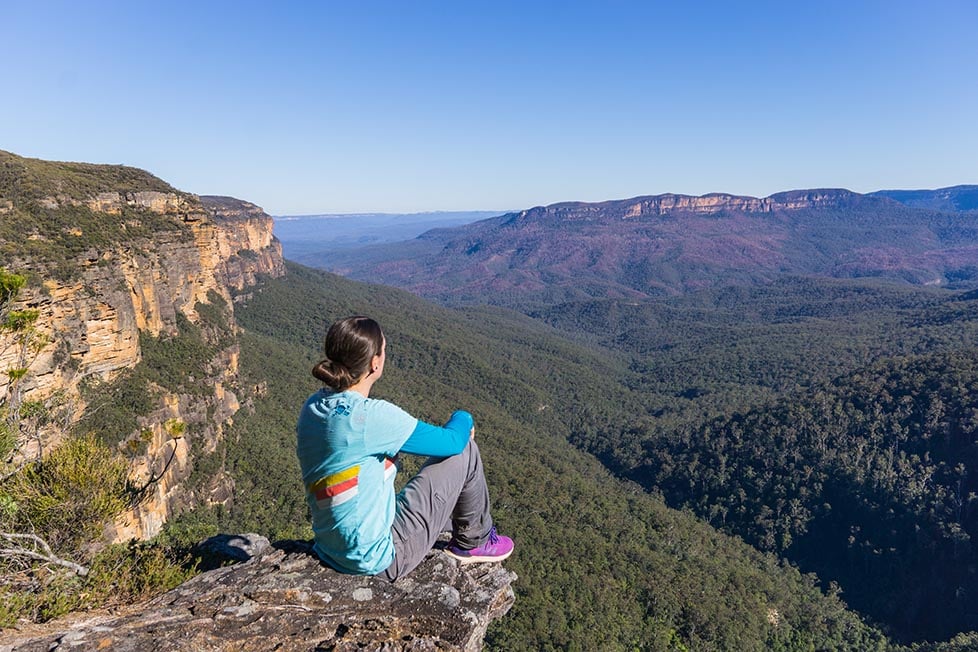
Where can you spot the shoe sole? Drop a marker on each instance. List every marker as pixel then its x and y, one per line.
pixel 476 559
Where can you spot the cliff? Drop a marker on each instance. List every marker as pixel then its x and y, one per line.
pixel 93 319
pixel 666 204
pixel 116 256
pixel 283 598
pixel 245 245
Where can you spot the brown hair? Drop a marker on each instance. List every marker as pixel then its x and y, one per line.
pixel 351 344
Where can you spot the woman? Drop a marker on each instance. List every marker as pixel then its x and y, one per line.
pixel 347 444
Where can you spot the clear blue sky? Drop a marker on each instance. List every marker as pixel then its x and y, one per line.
pixel 407 106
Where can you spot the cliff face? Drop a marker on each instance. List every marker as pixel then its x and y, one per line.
pixel 667 204
pixel 136 281
pixel 245 245
pixel 136 286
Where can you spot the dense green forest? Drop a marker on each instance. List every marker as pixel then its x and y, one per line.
pixel 601 562
pixel 830 422
pixel 868 480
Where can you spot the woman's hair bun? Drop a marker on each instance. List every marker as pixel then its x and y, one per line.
pixel 350 346
pixel 333 374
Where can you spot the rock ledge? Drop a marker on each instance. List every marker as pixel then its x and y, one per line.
pixel 283 598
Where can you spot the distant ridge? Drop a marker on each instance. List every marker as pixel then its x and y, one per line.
pixel 954 198
pixel 670 244
pixel 705 204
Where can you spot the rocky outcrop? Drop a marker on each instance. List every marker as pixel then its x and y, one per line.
pixel 283 598
pixel 246 247
pixel 90 321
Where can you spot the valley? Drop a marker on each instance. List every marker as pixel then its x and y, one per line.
pixel 767 380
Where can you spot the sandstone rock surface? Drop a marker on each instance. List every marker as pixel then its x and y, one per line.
pixel 90 324
pixel 283 598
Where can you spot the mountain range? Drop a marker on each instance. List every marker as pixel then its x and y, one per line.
pixel 670 244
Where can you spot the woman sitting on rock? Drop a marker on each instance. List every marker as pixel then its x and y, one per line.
pixel 347 445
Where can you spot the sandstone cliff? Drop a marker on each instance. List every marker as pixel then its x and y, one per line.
pixel 109 267
pixel 93 320
pixel 283 598
pixel 246 247
pixel 710 204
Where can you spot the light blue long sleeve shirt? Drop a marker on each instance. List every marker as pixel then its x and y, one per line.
pixel 346 444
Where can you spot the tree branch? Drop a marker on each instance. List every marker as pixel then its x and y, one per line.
pixel 141 492
pixel 41 551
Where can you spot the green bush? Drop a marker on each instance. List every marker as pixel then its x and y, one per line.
pixel 124 573
pixel 113 408
pixel 67 498
pixel 119 574
pixel 40 600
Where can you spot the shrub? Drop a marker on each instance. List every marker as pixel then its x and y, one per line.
pixel 66 500
pixel 119 574
pixel 69 496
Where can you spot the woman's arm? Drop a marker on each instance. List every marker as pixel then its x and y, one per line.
pixel 440 442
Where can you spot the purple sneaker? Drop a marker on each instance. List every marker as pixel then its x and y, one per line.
pixel 496 548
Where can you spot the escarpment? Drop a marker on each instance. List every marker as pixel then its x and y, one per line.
pixel 118 263
pixel 667 204
pixel 245 244
pixel 662 245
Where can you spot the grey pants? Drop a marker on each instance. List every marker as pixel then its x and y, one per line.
pixel 448 493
